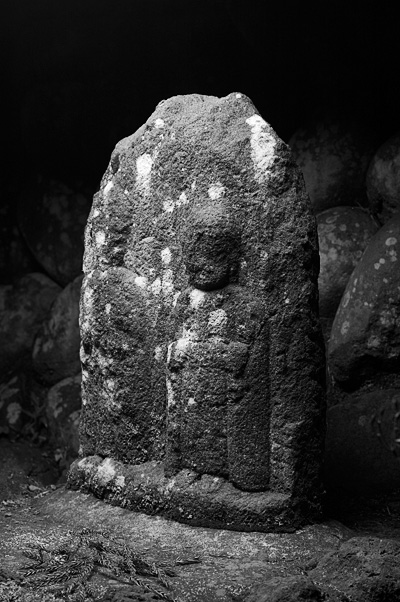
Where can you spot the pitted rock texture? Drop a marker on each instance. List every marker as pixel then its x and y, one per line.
pixel 56 349
pixel 334 158
pixel 23 307
pixel 383 179
pixel 365 336
pixel 201 264
pixel 361 453
pixel 343 234
pixel 52 218
pixel 364 569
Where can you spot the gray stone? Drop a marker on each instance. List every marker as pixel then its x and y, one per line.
pixel 365 336
pixel 52 218
pixel 364 569
pixel 383 179
pixel 343 234
pixel 201 348
pixel 56 349
pixel 287 589
pixel 333 158
pixel 361 453
pixel 23 307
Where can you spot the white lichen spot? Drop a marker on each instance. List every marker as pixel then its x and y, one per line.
pixel 346 299
pixel 196 298
pixel 120 482
pixel 108 187
pixel 100 238
pixel 110 385
pixel 13 412
pixel 167 283
pixel 377 265
pixel 216 191
pixel 385 280
pixel 169 206
pixel 158 353
pixel 238 95
pixel 343 227
pixel 193 185
pixel 159 123
pixel 332 254
pixel 390 241
pixel 175 299
pixel 156 287
pixel 106 471
pixel 141 282
pixel 191 401
pixel 382 260
pixel 262 147
pixel 287 300
pixel 217 320
pixel 345 327
pixel 169 352
pixel 108 308
pixel 96 213
pixel 144 164
pixel 183 200
pixel 170 394
pixel 166 256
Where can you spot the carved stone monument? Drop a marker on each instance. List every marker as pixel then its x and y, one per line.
pixel 202 355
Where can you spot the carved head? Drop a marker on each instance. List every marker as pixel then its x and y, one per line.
pixel 210 247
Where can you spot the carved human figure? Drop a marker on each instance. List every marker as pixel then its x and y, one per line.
pixel 217 367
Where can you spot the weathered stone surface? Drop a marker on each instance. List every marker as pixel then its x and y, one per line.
pixel 23 307
pixel 365 336
pixel 201 258
pixel 383 179
pixel 287 589
pixel 343 234
pixel 52 219
pixel 361 454
pixel 333 158
pixel 364 569
pixel 56 349
pixel 63 406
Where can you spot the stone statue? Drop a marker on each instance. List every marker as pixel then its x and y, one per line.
pixel 202 354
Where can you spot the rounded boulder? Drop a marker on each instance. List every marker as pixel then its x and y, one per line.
pixel 365 335
pixel 343 234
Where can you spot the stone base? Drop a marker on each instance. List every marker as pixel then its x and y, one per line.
pixel 205 500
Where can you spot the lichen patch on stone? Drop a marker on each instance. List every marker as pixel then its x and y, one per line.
pixel 144 164
pixel 106 471
pixel 262 147
pixel 216 191
pixel 196 298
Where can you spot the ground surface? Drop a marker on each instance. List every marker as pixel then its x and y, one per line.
pixel 210 564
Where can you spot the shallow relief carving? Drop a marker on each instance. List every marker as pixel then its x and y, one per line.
pixel 203 362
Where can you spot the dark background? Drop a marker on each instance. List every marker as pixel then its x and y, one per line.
pixel 81 74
